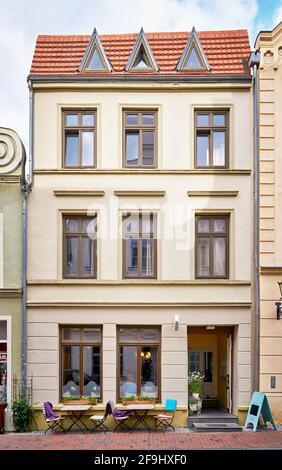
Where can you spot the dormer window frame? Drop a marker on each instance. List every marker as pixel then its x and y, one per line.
pixel 141 42
pixel 95 44
pixel 193 42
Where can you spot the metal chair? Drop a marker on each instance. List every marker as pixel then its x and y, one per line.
pixel 98 420
pixel 165 420
pixel 119 417
pixel 53 421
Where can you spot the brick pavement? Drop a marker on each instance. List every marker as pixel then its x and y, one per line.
pixel 142 441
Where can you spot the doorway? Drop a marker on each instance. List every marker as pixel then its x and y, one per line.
pixel 210 351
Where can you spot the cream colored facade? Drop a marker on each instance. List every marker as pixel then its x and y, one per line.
pixel 270 119
pixel 111 301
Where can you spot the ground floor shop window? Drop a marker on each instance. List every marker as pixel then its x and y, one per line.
pixel 81 365
pixel 139 362
pixel 3 361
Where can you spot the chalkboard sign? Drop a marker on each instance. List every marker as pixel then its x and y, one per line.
pixel 259 406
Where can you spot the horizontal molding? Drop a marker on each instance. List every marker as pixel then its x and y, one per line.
pixel 122 193
pixel 82 171
pixel 212 193
pixel 271 270
pixel 10 293
pixel 139 282
pixel 50 304
pixel 78 192
pixel 10 179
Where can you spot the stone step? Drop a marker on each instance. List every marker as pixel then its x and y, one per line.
pixel 217 427
pixel 212 418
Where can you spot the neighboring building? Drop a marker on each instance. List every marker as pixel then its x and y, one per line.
pixel 12 162
pixel 158 124
pixel 270 156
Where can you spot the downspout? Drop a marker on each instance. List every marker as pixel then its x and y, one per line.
pixel 26 188
pixel 254 62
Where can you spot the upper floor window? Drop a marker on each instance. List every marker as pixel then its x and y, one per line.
pixel 80 247
pixel 79 139
pixel 139 246
pixel 211 139
pixel 212 250
pixel 140 139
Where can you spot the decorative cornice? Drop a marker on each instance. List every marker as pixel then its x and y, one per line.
pixel 122 193
pixel 276 270
pixel 138 282
pixel 121 304
pixel 14 179
pixel 77 192
pixel 61 171
pixel 6 293
pixel 212 193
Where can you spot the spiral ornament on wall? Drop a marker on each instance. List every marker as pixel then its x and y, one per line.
pixel 10 151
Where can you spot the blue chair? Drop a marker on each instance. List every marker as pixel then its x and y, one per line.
pixel 165 420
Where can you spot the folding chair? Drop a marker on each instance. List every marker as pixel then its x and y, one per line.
pixel 53 421
pixel 119 417
pixel 98 420
pixel 165 420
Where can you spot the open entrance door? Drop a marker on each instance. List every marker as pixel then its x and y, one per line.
pixel 229 373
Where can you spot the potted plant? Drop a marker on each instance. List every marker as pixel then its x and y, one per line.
pixel 22 415
pixel 80 400
pixel 138 400
pixel 195 383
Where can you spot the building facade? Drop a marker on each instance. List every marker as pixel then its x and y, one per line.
pixel 139 222
pixel 270 147
pixel 12 162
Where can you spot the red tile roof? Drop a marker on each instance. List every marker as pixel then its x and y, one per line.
pixel 226 51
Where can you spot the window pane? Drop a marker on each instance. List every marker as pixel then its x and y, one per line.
pixel 128 371
pixel 88 257
pixel 203 255
pixel 203 225
pixel 91 371
pixel 131 148
pixel 70 372
pixel 202 150
pixel 147 223
pixel 72 149
pixel 131 119
pixel 148 257
pixel 71 120
pixel 193 361
pixel 89 225
pixel 128 334
pixel 148 119
pixel 219 148
pixel 95 62
pixel 219 225
pixel 71 225
pixel 219 262
pixel 92 334
pixel 3 330
pixel 71 334
pixel 202 120
pixel 219 119
pixel 72 256
pixel 149 334
pixel 88 119
pixel 131 257
pixel 87 148
pixel 148 147
pixel 3 371
pixel 193 60
pixel 149 371
pixel 208 366
pixel 131 225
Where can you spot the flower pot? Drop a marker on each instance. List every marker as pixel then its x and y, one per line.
pixel 196 396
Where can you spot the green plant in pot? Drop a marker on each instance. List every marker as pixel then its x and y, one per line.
pixel 22 415
pixel 195 383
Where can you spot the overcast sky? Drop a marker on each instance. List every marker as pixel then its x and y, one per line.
pixel 22 20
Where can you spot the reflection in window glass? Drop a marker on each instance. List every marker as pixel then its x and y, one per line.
pixel 203 225
pixel 203 257
pixel 72 149
pixel 128 371
pixel 148 147
pixel 202 150
pixel 131 256
pixel 131 145
pixel 70 371
pixel 202 120
pixel 87 148
pixel 193 60
pixel 88 119
pixel 132 119
pixel 147 256
pixel 219 148
pixel 71 225
pixel 219 225
pixel 91 371
pixel 72 256
pixel 92 334
pixel 219 256
pixel 148 119
pixel 87 257
pixel 71 120
pixel 219 119
pixel 95 62
pixel 71 334
pixel 149 371
pixel 128 334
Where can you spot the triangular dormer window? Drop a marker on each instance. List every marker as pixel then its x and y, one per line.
pixel 141 57
pixel 193 57
pixel 95 57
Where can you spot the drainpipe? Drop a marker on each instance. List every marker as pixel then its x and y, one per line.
pixel 254 62
pixel 26 188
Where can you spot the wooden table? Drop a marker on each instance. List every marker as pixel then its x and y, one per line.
pixel 75 413
pixel 140 413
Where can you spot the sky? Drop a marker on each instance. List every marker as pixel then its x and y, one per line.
pixel 22 20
